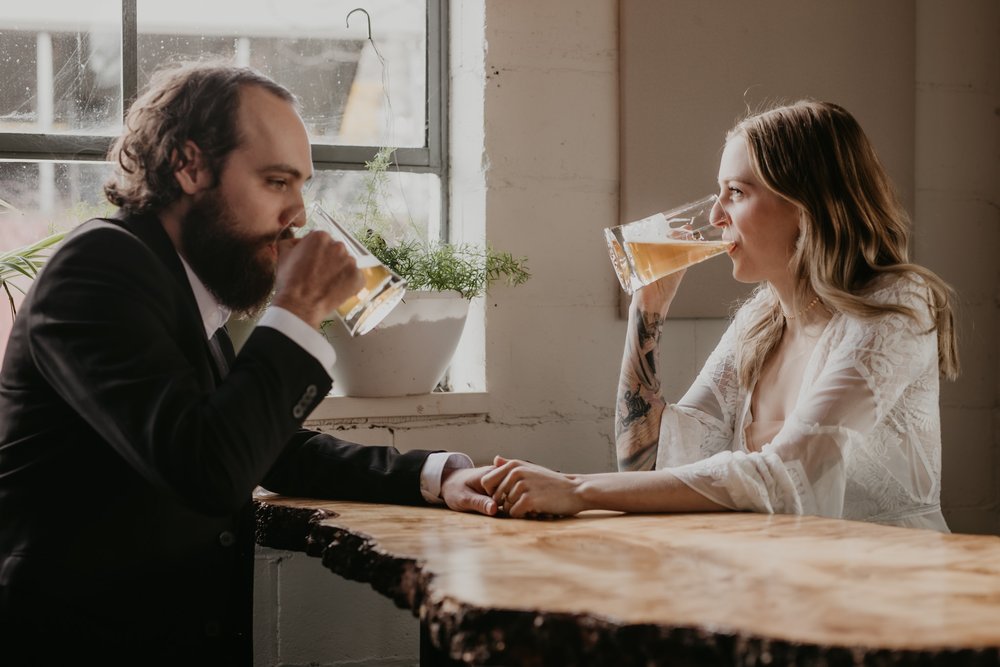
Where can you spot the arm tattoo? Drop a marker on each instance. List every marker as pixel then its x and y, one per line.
pixel 637 407
pixel 649 326
pixel 640 459
pixel 640 405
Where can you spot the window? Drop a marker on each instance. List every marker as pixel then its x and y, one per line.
pixel 69 68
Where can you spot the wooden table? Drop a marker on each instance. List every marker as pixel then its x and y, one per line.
pixel 684 589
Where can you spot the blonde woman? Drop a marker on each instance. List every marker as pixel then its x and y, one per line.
pixel 822 396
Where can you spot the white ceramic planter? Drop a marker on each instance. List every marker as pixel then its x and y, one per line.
pixel 407 353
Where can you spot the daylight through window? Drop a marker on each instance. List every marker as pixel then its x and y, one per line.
pixel 68 68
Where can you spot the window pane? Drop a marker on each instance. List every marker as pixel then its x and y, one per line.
pixel 60 66
pixel 406 205
pixel 39 198
pixel 306 45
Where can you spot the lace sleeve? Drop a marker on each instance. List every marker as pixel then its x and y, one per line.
pixel 701 423
pixel 869 366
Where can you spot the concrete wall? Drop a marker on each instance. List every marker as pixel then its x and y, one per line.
pixel 689 73
pixel 957 234
pixel 922 79
pixel 537 172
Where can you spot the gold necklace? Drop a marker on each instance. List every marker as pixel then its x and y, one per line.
pixel 802 312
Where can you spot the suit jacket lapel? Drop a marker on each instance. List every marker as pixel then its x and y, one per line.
pixel 149 230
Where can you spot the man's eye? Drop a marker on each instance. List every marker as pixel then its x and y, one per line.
pixel 279 183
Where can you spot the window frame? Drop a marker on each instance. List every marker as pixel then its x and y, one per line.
pixel 431 158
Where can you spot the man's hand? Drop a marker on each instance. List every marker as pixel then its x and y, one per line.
pixel 316 274
pixel 462 490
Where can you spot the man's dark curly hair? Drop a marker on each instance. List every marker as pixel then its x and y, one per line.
pixel 195 102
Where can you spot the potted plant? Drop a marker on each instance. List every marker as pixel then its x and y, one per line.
pixel 410 351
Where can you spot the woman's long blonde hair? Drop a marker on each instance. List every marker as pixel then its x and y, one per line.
pixel 853 228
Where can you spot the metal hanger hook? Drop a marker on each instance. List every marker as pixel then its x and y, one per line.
pixel 367 17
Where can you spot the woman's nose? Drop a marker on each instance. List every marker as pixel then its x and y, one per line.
pixel 718 216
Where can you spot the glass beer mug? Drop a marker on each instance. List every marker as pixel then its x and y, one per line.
pixel 383 288
pixel 646 250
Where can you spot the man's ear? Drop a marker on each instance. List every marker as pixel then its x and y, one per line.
pixel 194 176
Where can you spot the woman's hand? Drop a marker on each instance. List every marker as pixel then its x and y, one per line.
pixel 656 297
pixel 527 490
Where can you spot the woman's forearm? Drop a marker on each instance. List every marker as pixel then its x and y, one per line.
pixel 653 491
pixel 640 402
pixel 523 489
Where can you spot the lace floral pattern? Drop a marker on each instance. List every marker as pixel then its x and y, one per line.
pixel 863 441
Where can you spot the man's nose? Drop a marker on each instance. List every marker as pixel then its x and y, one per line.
pixel 295 215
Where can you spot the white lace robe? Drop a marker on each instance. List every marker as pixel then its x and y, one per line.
pixel 863 441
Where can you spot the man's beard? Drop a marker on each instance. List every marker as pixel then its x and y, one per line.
pixel 230 264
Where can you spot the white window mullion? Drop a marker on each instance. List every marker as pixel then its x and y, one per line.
pixel 45 102
pixel 242 51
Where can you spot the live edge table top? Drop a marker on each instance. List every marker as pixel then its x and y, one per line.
pixel 609 588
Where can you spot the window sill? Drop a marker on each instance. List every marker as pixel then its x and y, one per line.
pixel 435 405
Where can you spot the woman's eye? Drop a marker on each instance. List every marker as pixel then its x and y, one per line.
pixel 735 193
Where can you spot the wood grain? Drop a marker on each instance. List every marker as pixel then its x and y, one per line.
pixel 699 589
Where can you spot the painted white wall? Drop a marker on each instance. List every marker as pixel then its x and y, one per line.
pixel 690 70
pixel 957 223
pixel 537 173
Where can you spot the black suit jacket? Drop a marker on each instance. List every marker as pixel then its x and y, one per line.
pixel 127 463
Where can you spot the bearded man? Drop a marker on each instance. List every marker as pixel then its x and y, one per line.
pixel 131 436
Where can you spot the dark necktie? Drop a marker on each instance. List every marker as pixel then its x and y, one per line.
pixel 222 351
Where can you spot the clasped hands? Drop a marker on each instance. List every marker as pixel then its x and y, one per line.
pixel 513 488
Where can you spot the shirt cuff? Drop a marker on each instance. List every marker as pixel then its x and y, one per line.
pixel 301 334
pixel 430 474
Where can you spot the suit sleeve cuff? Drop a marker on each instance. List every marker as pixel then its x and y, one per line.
pixel 301 334
pixel 430 473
